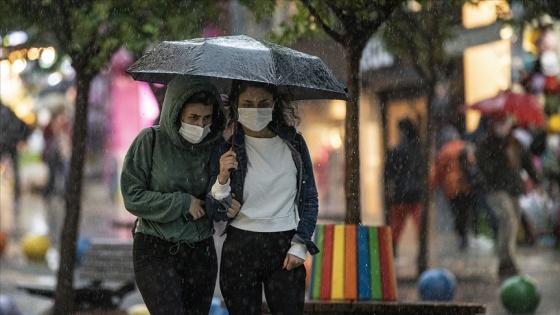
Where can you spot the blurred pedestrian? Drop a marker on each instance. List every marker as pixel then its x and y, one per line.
pixel 452 174
pixel 481 206
pixel 13 132
pixel 164 182
pixel 56 153
pixel 267 168
pixel 403 172
pixel 501 159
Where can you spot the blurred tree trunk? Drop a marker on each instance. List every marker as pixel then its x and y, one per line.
pixel 351 130
pixel 355 23
pixel 64 295
pixel 420 36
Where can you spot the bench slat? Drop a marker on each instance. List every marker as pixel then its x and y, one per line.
pixel 401 307
pixel 107 260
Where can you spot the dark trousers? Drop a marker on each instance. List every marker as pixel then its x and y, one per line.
pixel 481 207
pixel 56 182
pixel 251 260
pixel 462 207
pixel 175 278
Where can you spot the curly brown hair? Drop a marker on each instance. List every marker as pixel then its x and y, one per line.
pixel 284 112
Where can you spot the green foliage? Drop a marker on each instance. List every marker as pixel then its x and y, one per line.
pixel 348 22
pixel 420 36
pixel 301 24
pixel 262 9
pixel 94 29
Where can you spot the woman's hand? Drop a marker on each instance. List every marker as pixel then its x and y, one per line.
pixel 234 209
pixel 228 162
pixel 291 262
pixel 196 209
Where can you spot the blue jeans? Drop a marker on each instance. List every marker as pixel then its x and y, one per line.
pixel 175 278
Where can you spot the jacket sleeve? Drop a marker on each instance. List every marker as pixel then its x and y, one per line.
pixel 215 209
pixel 484 159
pixel 138 198
pixel 308 217
pixel 527 164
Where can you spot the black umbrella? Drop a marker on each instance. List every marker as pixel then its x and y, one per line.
pixel 241 57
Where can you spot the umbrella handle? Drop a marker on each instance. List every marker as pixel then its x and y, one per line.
pixel 232 137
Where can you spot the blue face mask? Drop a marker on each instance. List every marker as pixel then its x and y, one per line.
pixel 193 134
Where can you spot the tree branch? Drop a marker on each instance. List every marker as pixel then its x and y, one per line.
pixel 414 50
pixel 334 35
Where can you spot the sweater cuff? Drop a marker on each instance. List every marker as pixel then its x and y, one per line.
pixel 220 191
pixel 298 250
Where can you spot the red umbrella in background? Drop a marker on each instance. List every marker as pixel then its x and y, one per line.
pixel 525 108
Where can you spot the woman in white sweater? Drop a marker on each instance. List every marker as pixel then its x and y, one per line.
pixel 263 185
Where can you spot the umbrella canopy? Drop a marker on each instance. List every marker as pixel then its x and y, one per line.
pixel 524 107
pixel 222 59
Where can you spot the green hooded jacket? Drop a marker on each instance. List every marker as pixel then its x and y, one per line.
pixel 160 176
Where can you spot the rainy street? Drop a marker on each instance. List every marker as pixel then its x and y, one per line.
pixel 405 154
pixel 474 269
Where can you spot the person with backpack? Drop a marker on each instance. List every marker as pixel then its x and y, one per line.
pixel 163 182
pixel 456 172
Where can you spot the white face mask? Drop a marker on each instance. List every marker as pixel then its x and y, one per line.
pixel 255 119
pixel 193 134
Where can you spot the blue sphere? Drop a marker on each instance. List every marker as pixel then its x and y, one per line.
pixel 216 308
pixel 8 307
pixel 436 285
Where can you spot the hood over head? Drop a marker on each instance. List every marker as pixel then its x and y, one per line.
pixel 179 90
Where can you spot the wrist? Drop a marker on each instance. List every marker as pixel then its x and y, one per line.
pixel 223 179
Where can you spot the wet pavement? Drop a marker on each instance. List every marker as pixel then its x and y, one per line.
pixel 475 268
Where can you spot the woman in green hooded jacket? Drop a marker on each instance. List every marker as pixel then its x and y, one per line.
pixel 163 182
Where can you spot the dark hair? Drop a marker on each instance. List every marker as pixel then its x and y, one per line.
pixel 284 113
pixel 408 128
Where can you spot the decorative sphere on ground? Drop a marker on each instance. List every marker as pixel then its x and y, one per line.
pixel 216 308
pixel 436 285
pixel 3 242
pixel 7 306
pixel 138 309
pixel 519 294
pixel 35 247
